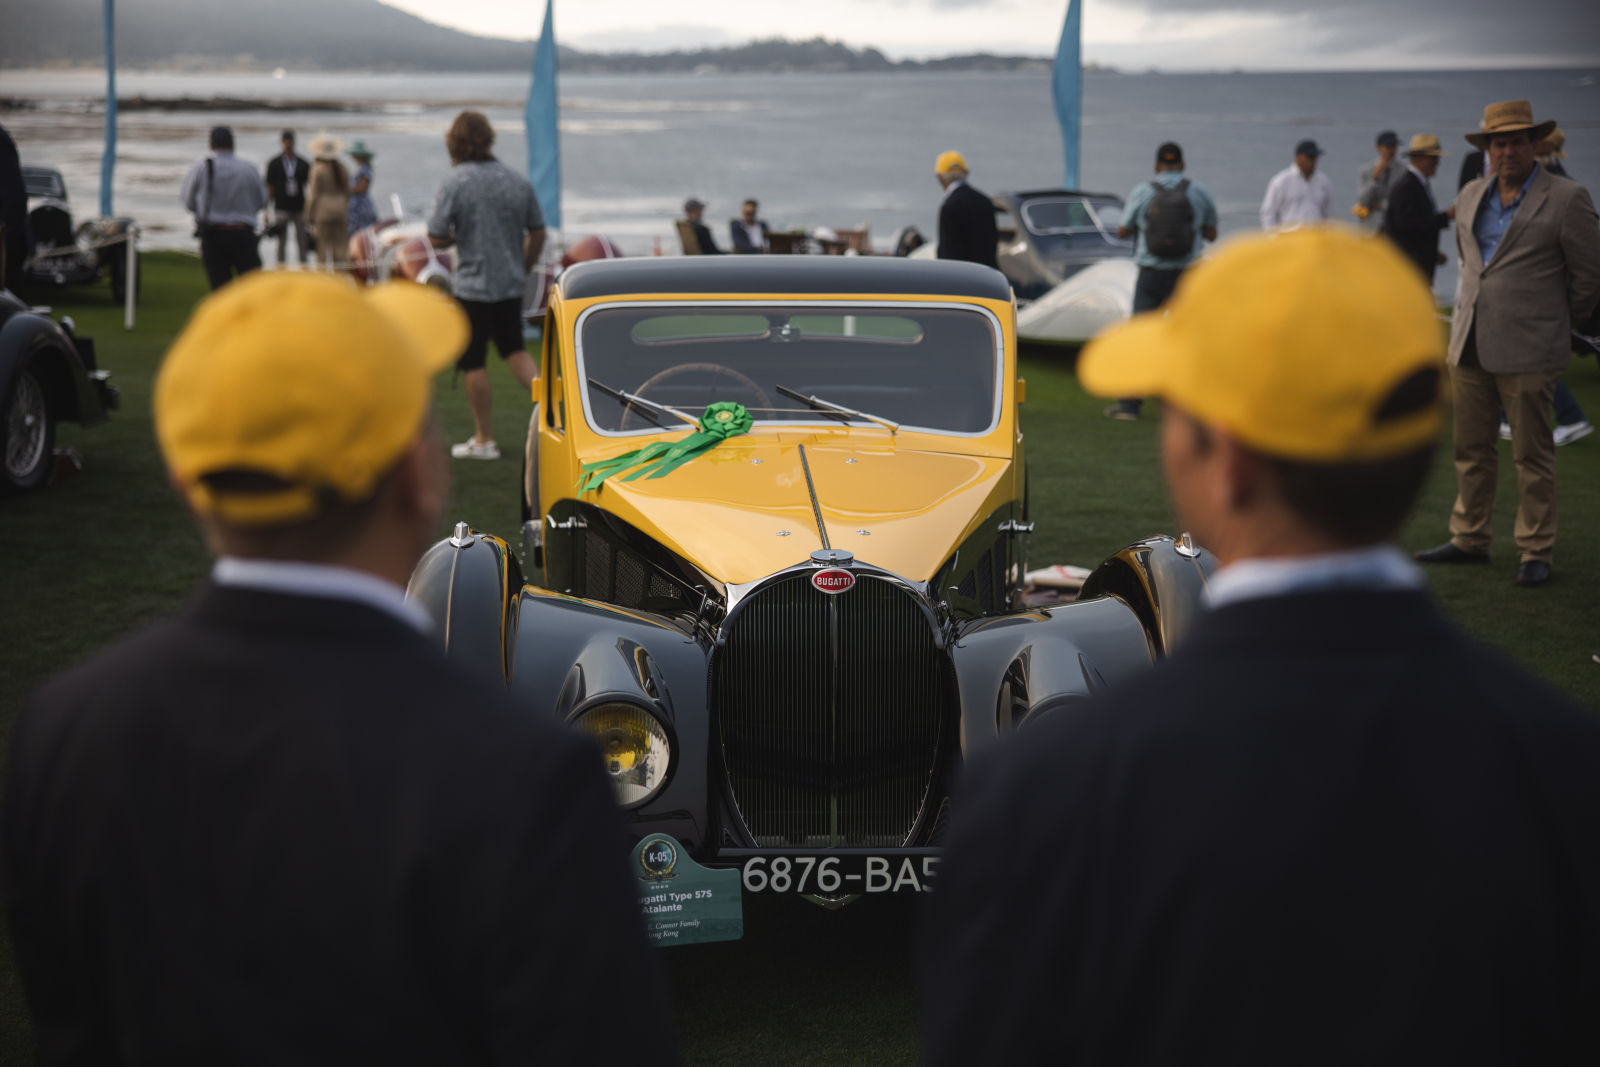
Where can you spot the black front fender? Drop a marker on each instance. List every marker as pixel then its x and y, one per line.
pixel 571 654
pixel 1014 669
pixel 467 583
pixel 1161 580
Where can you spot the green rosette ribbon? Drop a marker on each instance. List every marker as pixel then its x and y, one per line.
pixel 719 422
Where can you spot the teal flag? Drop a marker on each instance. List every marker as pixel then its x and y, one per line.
pixel 543 122
pixel 1068 88
pixel 108 158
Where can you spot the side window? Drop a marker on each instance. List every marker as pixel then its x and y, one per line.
pixel 555 405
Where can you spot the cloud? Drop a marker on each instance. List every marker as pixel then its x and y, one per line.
pixel 1489 31
pixel 673 38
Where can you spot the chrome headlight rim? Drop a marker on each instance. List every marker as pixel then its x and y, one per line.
pixel 651 719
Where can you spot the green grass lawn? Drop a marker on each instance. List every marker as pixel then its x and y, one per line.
pixel 100 555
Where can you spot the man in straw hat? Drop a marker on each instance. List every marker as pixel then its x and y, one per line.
pixel 1325 827
pixel 1530 268
pixel 1413 219
pixel 283 826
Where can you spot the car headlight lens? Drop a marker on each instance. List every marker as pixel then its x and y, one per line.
pixel 633 745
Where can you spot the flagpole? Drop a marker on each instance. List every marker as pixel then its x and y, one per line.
pixel 542 121
pixel 108 159
pixel 1067 89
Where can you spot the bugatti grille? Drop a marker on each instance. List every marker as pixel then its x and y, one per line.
pixel 830 711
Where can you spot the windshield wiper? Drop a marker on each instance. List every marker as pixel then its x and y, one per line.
pixel 650 408
pixel 828 407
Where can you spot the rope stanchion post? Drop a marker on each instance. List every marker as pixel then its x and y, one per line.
pixel 130 288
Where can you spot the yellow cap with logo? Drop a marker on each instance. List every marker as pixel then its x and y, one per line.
pixel 306 379
pixel 949 162
pixel 1320 345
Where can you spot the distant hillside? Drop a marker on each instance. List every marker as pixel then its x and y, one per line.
pixel 300 34
pixel 368 35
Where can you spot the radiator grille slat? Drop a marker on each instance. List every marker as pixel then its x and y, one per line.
pixel 830 711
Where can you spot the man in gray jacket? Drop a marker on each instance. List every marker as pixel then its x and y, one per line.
pixel 1530 268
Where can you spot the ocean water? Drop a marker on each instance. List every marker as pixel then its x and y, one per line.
pixel 834 150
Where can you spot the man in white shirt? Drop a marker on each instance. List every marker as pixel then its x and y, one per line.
pixel 1298 194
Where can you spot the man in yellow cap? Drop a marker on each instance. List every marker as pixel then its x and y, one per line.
pixel 966 218
pixel 1328 827
pixel 283 826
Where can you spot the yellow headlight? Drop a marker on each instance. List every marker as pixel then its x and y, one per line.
pixel 634 747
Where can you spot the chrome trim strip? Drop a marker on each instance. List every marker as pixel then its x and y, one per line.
pixel 816 505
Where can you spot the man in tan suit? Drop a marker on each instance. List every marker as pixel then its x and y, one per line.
pixel 1530 268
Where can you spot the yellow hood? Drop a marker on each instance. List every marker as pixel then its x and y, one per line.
pixel 742 511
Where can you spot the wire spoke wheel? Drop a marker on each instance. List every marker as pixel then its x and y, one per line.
pixel 27 422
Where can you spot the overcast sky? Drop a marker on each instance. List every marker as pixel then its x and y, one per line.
pixel 1130 34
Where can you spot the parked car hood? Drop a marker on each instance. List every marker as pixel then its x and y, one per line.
pixel 742 511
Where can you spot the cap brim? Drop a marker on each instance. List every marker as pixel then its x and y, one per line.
pixel 428 317
pixel 1134 358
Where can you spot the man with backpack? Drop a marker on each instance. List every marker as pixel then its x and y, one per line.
pixel 1171 216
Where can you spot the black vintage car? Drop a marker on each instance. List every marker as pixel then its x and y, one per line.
pixel 47 374
pixel 64 254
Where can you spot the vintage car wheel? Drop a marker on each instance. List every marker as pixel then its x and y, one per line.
pixel 687 368
pixel 30 433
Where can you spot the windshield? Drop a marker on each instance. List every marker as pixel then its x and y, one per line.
pixel 1054 215
pixel 40 181
pixel 927 367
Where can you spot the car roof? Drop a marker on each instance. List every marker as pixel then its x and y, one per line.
pixel 1030 194
pixel 733 275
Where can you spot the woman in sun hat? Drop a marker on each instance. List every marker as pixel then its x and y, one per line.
pixel 328 200
pixel 362 214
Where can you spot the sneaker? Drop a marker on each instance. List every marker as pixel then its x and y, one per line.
pixel 473 449
pixel 1505 430
pixel 1122 414
pixel 1565 435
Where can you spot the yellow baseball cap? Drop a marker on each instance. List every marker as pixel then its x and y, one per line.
pixel 307 378
pixel 1298 344
pixel 949 161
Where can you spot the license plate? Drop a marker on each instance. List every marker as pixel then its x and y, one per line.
pixel 837 873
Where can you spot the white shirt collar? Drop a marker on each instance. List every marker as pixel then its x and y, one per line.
pixel 321 580
pixel 1373 567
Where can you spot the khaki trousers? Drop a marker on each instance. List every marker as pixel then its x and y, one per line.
pixel 1526 398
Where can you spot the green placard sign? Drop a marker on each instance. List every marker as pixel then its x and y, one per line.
pixel 685 903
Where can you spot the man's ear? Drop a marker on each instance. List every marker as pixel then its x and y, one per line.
pixel 1243 472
